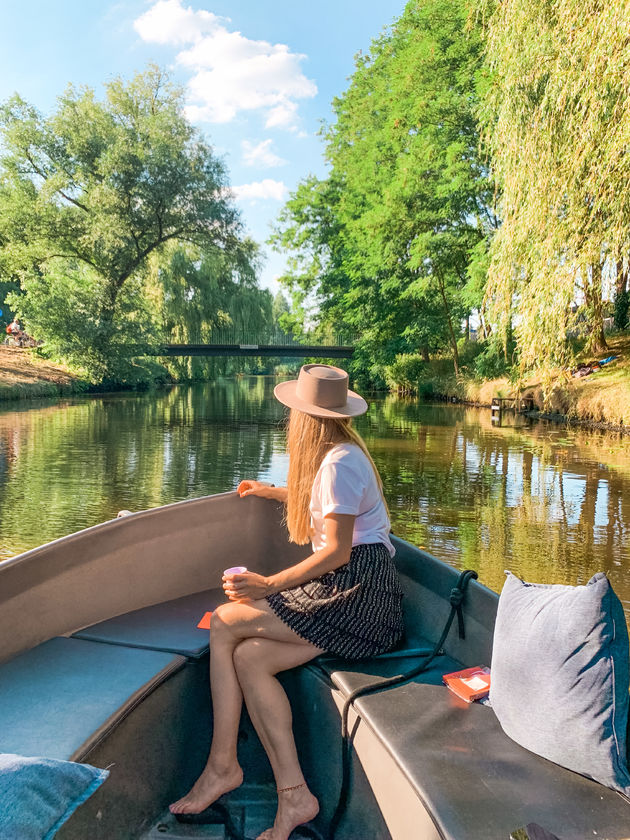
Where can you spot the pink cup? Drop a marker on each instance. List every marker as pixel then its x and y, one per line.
pixel 235 570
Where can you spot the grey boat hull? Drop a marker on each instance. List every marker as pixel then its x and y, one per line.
pixel 426 765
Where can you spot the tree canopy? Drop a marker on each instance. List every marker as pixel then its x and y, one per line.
pixel 385 243
pixel 194 292
pixel 478 167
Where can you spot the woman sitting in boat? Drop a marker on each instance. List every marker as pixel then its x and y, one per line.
pixel 344 599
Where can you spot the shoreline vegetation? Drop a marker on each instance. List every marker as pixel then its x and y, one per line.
pixel 475 190
pixel 599 401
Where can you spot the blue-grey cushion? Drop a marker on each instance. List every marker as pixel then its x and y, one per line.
pixel 560 673
pixel 38 795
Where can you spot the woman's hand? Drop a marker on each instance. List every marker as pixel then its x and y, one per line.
pixel 249 487
pixel 246 586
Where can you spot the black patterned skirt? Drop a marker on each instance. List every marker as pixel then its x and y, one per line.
pixel 354 611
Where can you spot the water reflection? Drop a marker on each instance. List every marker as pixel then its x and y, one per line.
pixel 550 504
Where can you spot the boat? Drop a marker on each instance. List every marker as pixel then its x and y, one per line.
pixel 103 663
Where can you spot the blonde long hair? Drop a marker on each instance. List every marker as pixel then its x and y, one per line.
pixel 308 440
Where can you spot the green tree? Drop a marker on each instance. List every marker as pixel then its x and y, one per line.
pixel 92 191
pixel 6 288
pixel 384 244
pixel 280 312
pixel 622 296
pixel 310 232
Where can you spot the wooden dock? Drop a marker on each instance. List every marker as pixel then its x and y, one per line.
pixel 518 404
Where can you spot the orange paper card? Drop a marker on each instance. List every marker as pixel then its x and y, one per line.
pixel 470 684
pixel 204 624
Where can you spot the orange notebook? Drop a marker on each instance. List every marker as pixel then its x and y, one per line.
pixel 470 684
pixel 204 624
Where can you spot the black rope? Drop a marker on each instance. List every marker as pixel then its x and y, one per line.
pixel 456 600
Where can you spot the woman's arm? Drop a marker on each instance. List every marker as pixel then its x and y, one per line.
pixel 338 528
pixel 248 487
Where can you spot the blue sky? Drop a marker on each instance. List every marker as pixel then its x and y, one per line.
pixel 260 74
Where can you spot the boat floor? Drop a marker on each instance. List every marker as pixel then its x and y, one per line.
pixel 251 810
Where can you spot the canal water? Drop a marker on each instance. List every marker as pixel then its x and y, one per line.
pixel 549 503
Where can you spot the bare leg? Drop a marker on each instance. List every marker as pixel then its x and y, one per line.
pixel 231 623
pixel 222 772
pixel 257 661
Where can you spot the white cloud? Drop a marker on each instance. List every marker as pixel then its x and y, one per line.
pixel 260 155
pixel 168 23
pixel 267 188
pixel 282 115
pixel 231 73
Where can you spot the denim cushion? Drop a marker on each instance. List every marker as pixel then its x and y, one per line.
pixel 39 794
pixel 560 673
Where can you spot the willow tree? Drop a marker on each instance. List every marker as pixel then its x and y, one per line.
pixel 90 193
pixel 556 117
pixel 195 292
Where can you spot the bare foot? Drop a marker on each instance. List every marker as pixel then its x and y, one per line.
pixel 295 807
pixel 207 789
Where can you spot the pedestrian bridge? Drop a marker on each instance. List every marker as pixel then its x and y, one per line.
pixel 227 343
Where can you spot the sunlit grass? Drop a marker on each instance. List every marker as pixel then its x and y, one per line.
pixel 602 397
pixel 24 375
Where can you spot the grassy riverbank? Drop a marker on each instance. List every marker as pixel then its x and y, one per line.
pixel 600 399
pixel 24 375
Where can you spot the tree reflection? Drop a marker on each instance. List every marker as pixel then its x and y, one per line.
pixel 67 466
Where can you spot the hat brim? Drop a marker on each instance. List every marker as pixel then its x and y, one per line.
pixel 284 392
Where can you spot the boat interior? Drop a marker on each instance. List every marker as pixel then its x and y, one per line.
pixel 102 662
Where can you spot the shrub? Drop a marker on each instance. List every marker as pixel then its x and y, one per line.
pixel 490 363
pixel 622 304
pixel 405 371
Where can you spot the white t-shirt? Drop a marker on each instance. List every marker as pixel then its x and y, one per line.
pixel 345 483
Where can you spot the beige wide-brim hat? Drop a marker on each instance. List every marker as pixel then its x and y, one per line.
pixel 322 391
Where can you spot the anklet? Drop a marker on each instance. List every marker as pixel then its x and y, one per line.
pixel 293 787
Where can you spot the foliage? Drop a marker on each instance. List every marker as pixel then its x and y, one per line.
pixel 6 287
pixel 556 116
pixel 493 362
pixel 93 191
pixel 194 293
pixel 308 229
pixel 383 245
pixel 65 306
pixel 406 371
pixel 622 305
pixel 284 320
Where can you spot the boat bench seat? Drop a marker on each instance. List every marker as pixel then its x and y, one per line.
pixel 63 697
pixel 359 674
pixel 472 779
pixel 170 626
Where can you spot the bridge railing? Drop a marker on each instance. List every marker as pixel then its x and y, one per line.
pixel 241 338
